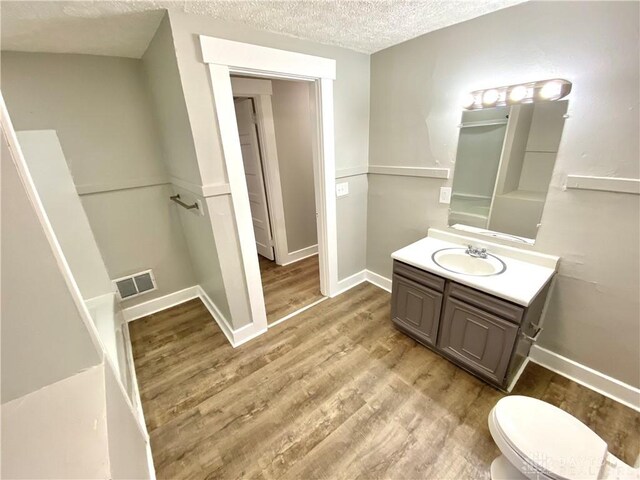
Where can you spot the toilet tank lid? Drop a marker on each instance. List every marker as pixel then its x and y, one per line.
pixel 554 441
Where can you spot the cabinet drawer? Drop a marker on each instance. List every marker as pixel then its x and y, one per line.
pixel 486 302
pixel 477 339
pixel 416 309
pixel 417 275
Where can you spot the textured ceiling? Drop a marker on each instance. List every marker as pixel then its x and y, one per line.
pixel 125 27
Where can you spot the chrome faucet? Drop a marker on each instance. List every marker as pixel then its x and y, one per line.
pixel 476 252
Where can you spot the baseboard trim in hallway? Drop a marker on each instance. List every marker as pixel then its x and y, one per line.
pixel 156 305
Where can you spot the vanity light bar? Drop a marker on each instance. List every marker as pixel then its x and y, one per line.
pixel 544 90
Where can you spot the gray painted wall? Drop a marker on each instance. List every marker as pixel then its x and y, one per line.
pixel 61 418
pixel 53 181
pixel 351 110
pixel 127 446
pixel 163 79
pixel 43 341
pixel 416 90
pixel 101 109
pixel 352 226
pixel 292 123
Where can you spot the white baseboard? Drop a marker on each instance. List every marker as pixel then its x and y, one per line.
pixel 378 280
pixel 363 276
pixel 246 333
pixel 236 337
pixel 217 315
pixel 350 282
pixel 301 254
pixel 588 377
pixel 161 303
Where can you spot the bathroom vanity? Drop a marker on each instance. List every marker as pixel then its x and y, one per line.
pixel 483 314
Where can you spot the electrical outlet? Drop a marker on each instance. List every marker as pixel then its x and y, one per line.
pixel 445 194
pixel 342 189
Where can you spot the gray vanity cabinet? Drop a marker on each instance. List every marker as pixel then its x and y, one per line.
pixel 488 336
pixel 479 340
pixel 416 309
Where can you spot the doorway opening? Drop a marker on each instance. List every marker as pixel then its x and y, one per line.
pixel 274 120
pixel 225 58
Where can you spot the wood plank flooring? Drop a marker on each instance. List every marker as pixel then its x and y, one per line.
pixel 335 392
pixel 289 288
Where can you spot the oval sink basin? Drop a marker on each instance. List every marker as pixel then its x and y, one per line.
pixel 456 260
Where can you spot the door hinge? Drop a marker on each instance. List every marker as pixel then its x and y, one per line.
pixel 254 118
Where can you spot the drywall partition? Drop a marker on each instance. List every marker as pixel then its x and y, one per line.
pixel 57 407
pixel 351 111
pixel 163 79
pixel 53 181
pixel 50 173
pixel 292 123
pixel 204 254
pixel 594 311
pixel 59 431
pixel 127 447
pixel 40 322
pixel 102 112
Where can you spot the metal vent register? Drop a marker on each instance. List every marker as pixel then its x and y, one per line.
pixel 135 284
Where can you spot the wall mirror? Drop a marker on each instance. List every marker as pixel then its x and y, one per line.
pixel 505 159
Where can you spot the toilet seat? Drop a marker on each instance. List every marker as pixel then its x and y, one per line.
pixel 544 441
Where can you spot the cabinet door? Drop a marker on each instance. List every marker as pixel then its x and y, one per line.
pixel 416 309
pixel 477 339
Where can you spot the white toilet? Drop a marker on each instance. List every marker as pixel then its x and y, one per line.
pixel 539 441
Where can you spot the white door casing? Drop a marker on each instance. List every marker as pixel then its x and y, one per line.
pixel 225 57
pixel 254 176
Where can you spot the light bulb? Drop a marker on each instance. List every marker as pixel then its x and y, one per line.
pixel 518 93
pixel 551 90
pixel 490 97
pixel 468 100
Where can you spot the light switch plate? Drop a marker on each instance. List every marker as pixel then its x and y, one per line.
pixel 445 195
pixel 342 189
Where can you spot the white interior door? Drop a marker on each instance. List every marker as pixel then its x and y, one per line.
pixel 254 176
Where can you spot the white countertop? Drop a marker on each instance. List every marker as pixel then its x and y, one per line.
pixel 519 283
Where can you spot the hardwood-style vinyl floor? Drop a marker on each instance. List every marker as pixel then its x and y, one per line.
pixel 335 392
pixel 289 288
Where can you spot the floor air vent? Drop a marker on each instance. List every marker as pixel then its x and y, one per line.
pixel 134 285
